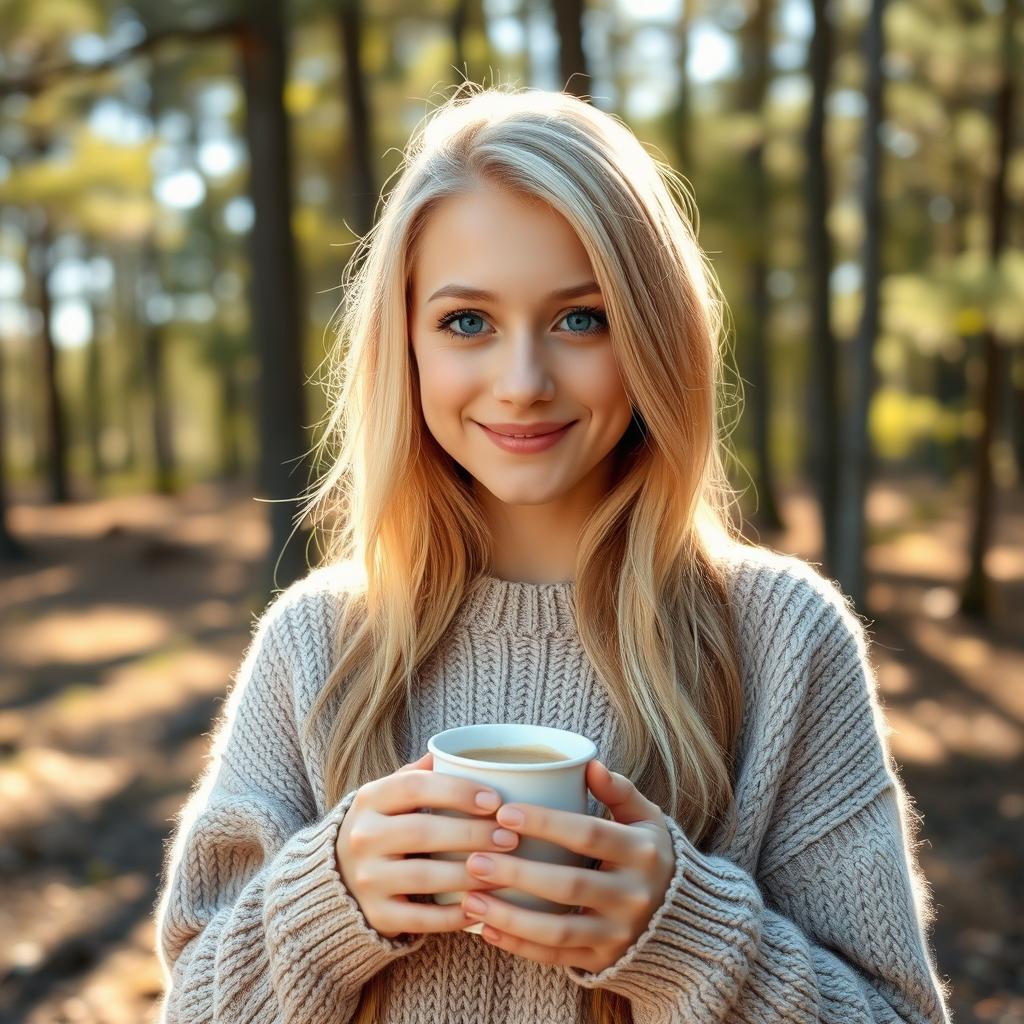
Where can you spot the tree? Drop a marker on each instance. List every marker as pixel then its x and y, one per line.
pixel 848 554
pixel 754 89
pixel 10 547
pixel 275 285
pixel 57 467
pixel 363 190
pixel 572 61
pixel 976 597
pixel 823 412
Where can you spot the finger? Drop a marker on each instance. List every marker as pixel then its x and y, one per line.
pixel 546 929
pixel 423 876
pixel 578 957
pixel 430 833
pixel 561 883
pixel 401 915
pixel 585 834
pixel 402 792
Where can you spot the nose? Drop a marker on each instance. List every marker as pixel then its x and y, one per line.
pixel 523 375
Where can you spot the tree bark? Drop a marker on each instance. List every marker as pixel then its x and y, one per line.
pixel 363 195
pixel 976 596
pixel 275 284
pixel 850 535
pixel 57 467
pixel 153 343
pixel 127 375
pixel 682 113
pixel 11 548
pixel 230 456
pixel 755 87
pixel 572 60
pixel 154 362
pixel 94 398
pixel 823 393
pixel 1017 410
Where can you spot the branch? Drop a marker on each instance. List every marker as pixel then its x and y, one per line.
pixel 38 79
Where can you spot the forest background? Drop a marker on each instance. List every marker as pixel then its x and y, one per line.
pixel 181 184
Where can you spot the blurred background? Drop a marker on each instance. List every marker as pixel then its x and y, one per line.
pixel 181 184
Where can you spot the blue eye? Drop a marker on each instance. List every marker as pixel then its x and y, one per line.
pixel 581 312
pixel 445 322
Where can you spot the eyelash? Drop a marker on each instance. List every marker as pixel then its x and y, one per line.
pixel 449 318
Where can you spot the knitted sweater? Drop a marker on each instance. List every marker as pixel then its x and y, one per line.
pixel 815 910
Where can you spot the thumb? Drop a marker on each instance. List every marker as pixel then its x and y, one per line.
pixel 618 793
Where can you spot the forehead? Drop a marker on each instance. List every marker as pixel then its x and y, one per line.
pixel 498 241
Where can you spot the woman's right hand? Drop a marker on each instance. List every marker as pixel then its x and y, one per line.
pixel 382 826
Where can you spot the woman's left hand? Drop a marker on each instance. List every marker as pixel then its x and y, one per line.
pixel 616 899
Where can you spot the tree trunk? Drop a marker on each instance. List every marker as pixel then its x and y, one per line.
pixel 755 87
pixel 57 468
pixel 976 597
pixel 1017 410
pixel 680 129
pixel 823 396
pixel 230 455
pixel 10 547
pixel 128 377
pixel 360 141
pixel 153 342
pixel 275 284
pixel 460 19
pixel 572 61
pixel 848 566
pixel 94 399
pixel 164 480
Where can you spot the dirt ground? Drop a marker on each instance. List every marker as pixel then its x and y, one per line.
pixel 119 636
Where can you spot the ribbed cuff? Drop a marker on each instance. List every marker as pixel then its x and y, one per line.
pixel 710 915
pixel 315 930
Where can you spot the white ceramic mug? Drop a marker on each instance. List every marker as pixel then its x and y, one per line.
pixel 557 784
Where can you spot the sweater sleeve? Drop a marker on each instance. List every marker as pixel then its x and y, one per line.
pixel 833 928
pixel 254 923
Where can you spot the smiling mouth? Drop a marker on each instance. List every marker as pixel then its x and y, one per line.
pixel 524 436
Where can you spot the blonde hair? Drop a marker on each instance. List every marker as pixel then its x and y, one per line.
pixel 650 597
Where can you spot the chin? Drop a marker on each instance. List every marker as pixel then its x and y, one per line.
pixel 541 494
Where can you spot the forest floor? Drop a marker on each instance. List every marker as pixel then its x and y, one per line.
pixel 119 637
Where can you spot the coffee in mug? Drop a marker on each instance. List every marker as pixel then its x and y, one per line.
pixel 524 753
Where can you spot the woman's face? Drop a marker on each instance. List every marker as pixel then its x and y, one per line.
pixel 522 355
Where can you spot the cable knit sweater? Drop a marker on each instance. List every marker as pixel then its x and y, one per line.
pixel 816 909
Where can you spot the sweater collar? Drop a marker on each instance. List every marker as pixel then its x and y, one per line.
pixel 520 608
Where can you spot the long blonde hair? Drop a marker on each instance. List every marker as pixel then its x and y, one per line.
pixel 649 593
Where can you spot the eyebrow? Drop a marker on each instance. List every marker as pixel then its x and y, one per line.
pixel 461 291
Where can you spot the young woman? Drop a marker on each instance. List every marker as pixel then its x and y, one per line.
pixel 751 846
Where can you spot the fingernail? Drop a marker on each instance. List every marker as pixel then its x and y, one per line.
pixel 474 905
pixel 488 800
pixel 502 837
pixel 511 816
pixel 480 865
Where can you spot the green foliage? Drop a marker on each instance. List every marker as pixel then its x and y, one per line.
pixel 940 289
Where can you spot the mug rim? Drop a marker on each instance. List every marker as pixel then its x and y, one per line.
pixel 588 753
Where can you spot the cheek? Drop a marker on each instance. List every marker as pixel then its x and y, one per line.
pixel 599 385
pixel 447 386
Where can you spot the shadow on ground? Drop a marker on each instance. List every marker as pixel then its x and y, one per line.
pixel 119 637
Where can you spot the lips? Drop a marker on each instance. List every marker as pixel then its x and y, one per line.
pixel 526 429
pixel 527 445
